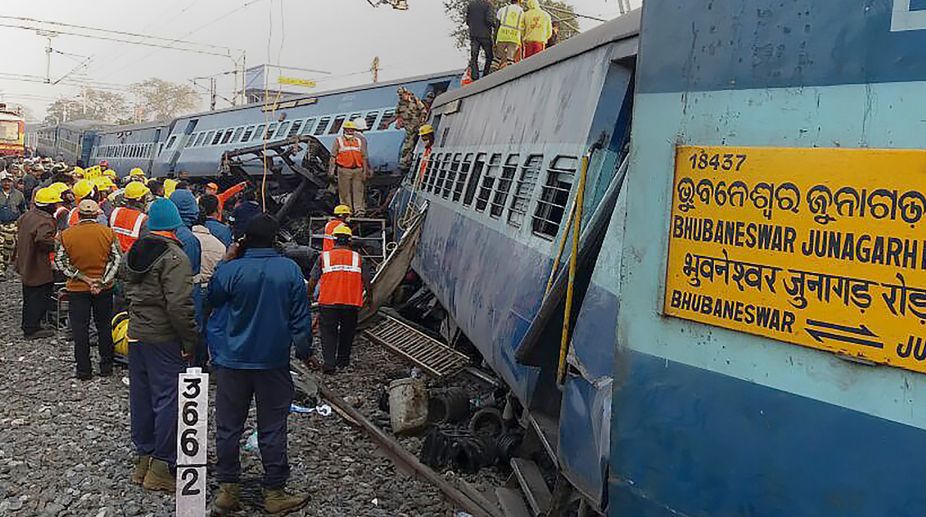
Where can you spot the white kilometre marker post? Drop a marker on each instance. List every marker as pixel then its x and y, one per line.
pixel 193 412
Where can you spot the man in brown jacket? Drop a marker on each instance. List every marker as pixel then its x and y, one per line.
pixel 35 240
pixel 89 258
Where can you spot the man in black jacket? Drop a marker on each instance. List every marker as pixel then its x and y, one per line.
pixel 480 18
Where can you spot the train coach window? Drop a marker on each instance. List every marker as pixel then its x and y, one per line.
pixel 322 126
pixel 520 199
pixel 170 141
pixel 503 186
pixel 371 119
pixel 217 137
pixel 281 132
pixel 293 131
pixel 387 120
pixel 485 191
pixel 271 129
pixel 336 126
pixel 199 139
pixel 237 135
pixel 452 173
pixel 226 138
pixel 473 184
pixel 308 127
pixel 258 132
pixel 430 173
pixel 248 132
pixel 554 196
pixel 462 176
pixel 442 174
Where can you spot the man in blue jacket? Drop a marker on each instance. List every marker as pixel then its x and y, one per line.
pixel 209 205
pixel 262 298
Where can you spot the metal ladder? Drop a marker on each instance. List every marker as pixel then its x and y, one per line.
pixel 432 356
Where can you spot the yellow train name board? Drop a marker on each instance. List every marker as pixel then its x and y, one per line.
pixel 824 248
pixel 295 81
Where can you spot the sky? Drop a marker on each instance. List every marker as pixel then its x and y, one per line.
pixel 340 37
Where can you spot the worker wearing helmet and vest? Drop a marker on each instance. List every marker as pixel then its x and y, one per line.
pixel 426 133
pixel 510 30
pixel 85 189
pixel 35 240
pixel 128 221
pixel 342 277
pixel 349 162
pixel 341 214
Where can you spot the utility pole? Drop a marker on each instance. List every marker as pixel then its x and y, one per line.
pixel 375 69
pixel 212 93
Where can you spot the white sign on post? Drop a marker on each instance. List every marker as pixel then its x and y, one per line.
pixel 193 412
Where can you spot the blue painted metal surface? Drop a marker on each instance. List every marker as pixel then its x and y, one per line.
pixel 707 421
pixel 490 270
pixel 128 147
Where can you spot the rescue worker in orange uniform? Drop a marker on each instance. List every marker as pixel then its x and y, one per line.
pixel 341 214
pixel 128 221
pixel 85 189
pixel 342 278
pixel 349 162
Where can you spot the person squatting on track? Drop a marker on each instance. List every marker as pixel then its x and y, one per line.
pixel 261 298
pixel 89 257
pixel 162 339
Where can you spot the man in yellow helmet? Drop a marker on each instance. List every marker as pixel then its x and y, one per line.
pixel 341 214
pixel 128 222
pixel 86 189
pixel 342 278
pixel 426 133
pixel 35 241
pixel 348 160
pixel 510 30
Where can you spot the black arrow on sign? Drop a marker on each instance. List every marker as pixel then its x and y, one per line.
pixel 828 329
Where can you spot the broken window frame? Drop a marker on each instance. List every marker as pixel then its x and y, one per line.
pixel 452 171
pixel 462 176
pixel 488 182
pixel 472 184
pixel 555 194
pixel 524 190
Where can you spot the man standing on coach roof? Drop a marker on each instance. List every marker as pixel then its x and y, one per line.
pixel 349 162
pixel 342 277
pixel 480 19
pixel 89 258
pixel 12 206
pixel 162 338
pixel 263 301
pixel 35 240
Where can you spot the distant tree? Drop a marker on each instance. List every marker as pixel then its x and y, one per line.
pixel 89 104
pixel 161 100
pixel 559 10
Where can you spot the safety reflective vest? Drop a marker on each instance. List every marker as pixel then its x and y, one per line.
pixel 328 242
pixel 73 217
pixel 126 224
pixel 341 282
pixel 510 20
pixel 350 152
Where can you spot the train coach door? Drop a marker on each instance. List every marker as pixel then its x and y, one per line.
pixel 177 143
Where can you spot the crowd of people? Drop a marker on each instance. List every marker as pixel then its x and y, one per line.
pixel 201 282
pixel 507 35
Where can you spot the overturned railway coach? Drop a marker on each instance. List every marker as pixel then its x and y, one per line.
pixel 678 398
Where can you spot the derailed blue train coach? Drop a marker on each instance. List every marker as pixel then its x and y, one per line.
pixel 665 409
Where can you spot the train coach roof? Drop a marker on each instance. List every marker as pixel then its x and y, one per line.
pixel 349 89
pixel 625 26
pixel 134 127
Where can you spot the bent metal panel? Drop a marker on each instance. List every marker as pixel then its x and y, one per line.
pixel 823 248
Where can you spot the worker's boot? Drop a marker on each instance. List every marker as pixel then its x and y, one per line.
pixel 141 468
pixel 276 500
pixel 159 477
pixel 228 500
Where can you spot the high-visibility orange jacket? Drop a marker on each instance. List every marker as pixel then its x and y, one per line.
pixel 228 194
pixel 341 281
pixel 328 242
pixel 127 224
pixel 350 152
